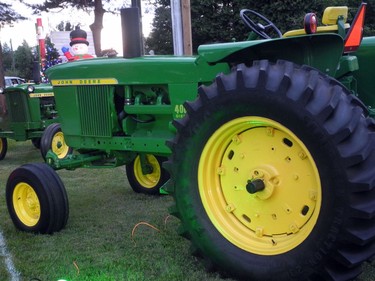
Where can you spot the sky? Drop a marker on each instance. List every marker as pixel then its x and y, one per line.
pixel 25 30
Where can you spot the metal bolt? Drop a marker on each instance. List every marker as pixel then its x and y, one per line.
pixel 220 171
pixel 236 139
pixel 294 228
pixel 270 131
pixel 259 232
pixel 230 208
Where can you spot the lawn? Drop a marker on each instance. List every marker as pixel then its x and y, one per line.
pixel 106 237
pixel 112 232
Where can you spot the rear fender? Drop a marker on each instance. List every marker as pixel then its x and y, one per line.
pixel 321 51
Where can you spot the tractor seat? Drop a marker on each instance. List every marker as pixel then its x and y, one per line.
pixel 331 16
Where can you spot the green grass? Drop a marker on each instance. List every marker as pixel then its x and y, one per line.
pixel 97 243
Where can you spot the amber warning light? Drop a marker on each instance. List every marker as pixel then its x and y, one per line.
pixel 310 23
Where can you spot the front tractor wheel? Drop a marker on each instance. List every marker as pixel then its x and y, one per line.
pixel 272 175
pixel 53 139
pixel 36 199
pixel 3 147
pixel 149 181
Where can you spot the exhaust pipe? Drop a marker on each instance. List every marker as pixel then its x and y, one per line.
pixel 36 72
pixel 131 33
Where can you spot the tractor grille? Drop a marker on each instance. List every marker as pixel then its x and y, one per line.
pixel 94 110
pixel 17 110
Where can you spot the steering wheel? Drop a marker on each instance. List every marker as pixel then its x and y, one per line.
pixel 258 28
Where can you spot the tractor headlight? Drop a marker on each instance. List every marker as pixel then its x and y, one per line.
pixel 1 90
pixel 30 89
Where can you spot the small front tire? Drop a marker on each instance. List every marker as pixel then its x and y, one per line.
pixel 53 139
pixel 149 183
pixel 36 199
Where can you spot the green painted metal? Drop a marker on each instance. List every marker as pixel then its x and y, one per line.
pixel 28 113
pixel 112 107
pixel 364 77
pixel 321 51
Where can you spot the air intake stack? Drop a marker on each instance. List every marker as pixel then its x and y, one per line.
pixel 131 32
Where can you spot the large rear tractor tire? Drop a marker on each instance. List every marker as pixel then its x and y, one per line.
pixel 53 138
pixel 273 175
pixel 3 147
pixel 148 183
pixel 36 199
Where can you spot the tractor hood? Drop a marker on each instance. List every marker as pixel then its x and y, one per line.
pixel 138 70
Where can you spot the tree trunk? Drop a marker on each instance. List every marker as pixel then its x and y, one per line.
pixel 97 26
pixel 2 83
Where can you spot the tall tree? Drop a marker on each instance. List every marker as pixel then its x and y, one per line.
pixel 7 17
pixel 160 39
pixel 24 60
pixel 52 58
pixel 7 58
pixel 87 5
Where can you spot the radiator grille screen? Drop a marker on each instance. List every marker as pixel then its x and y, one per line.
pixel 17 111
pixel 94 110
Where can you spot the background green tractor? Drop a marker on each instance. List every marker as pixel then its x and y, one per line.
pixel 270 145
pixel 30 114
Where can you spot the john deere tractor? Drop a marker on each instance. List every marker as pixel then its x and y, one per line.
pixel 30 114
pixel 270 144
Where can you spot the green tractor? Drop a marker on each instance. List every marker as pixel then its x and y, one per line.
pixel 270 145
pixel 30 114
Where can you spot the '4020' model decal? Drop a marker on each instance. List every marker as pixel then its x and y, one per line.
pixel 179 111
pixel 79 82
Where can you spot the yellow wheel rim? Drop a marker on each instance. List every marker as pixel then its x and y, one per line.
pixel 275 219
pixel 148 180
pixel 26 204
pixel 58 146
pixel 1 145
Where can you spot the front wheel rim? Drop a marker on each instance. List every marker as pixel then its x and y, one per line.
pixel 147 180
pixel 26 204
pixel 58 146
pixel 282 214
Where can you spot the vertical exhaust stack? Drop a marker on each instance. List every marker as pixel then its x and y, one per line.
pixel 131 33
pixel 36 72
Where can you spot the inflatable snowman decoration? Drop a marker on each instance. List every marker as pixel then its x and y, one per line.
pixel 78 46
